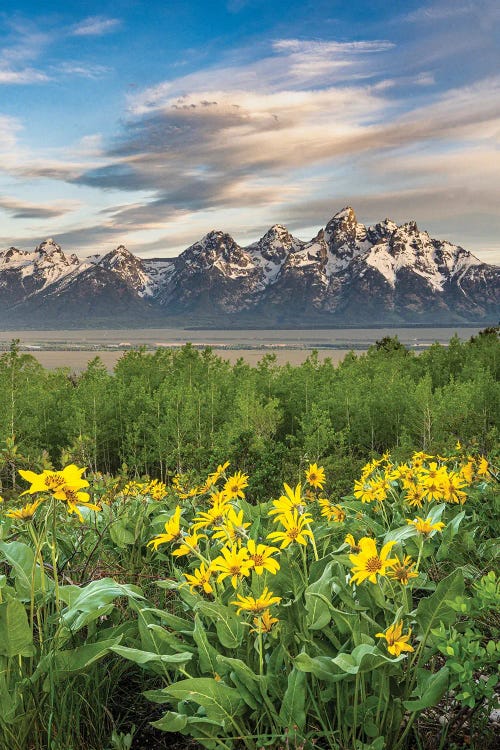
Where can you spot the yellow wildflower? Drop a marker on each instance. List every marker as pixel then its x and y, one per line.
pixel 249 604
pixel 315 476
pixel 189 544
pixel 403 571
pixel 233 527
pixel 261 557
pixel 264 623
pixel 426 526
pixel 414 495
pixel 25 513
pixel 294 529
pixel 452 489
pixel 482 467
pixel 332 512
pixel 290 501
pixel 396 641
pixel 232 562
pixel 51 481
pixel 73 499
pixel 216 514
pixel 467 471
pixel 172 531
pixel 200 579
pixel 352 544
pixel 235 485
pixel 368 563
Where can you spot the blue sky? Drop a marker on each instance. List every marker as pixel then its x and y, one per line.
pixel 153 124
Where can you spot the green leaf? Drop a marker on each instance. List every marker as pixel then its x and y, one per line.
pixel 229 628
pixel 292 712
pixel 430 689
pixel 59 665
pixel 207 654
pixel 147 657
pixel 171 722
pixel 220 701
pixel 26 572
pixel 243 677
pixel 318 613
pixel 120 534
pixel 437 607
pixel 320 666
pixel 364 658
pixel 15 632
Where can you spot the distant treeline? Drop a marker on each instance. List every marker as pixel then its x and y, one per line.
pixel 186 411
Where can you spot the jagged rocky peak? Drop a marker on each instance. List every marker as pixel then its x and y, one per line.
pixel 216 245
pixel 275 244
pixel 12 253
pixel 118 257
pixel 342 229
pixel 383 230
pixel 49 248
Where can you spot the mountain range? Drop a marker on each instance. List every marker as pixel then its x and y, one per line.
pixel 349 274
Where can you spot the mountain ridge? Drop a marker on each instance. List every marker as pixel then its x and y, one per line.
pixel 348 274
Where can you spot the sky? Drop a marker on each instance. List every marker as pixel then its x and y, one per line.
pixel 157 122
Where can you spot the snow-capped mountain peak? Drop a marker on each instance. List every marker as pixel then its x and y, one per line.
pixel 348 273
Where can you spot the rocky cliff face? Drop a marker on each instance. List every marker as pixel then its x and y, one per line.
pixel 348 274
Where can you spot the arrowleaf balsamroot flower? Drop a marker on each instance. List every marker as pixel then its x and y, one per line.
pixel 350 540
pixel 172 531
pixel 290 501
pixel 294 529
pixel 51 481
pixel 425 526
pixel 368 563
pixel 261 558
pixel 235 485
pixel 216 514
pixel 189 544
pixel 249 604
pixel 403 571
pixel 264 623
pixel 396 641
pixel 25 513
pixel 232 562
pixel 233 528
pixel 73 499
pixel 315 476
pixel 200 579
pixel 332 512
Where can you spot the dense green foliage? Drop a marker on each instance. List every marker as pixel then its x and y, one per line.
pixel 185 411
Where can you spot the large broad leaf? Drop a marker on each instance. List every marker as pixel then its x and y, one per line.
pixel 221 702
pixel 293 712
pixel 60 665
pixel 15 632
pixel 322 667
pixel 430 689
pixel 171 722
pixel 248 683
pixel 207 654
pixel 437 608
pixel 87 602
pixel 120 534
pixel 26 572
pixel 174 661
pixel 364 658
pixel 318 612
pixel 229 628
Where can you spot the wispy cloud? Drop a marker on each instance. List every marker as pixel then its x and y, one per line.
pixel 22 77
pixel 19 209
pixel 85 70
pixel 95 26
